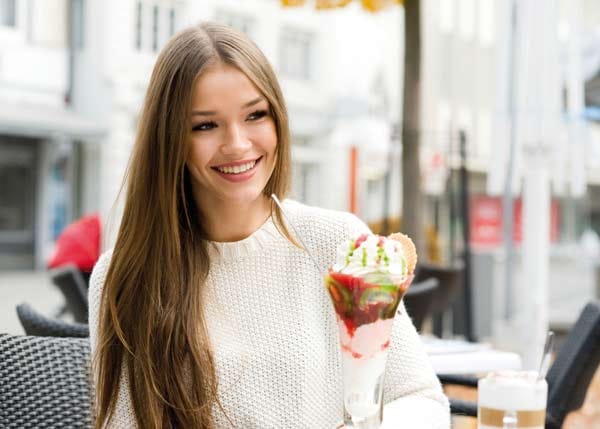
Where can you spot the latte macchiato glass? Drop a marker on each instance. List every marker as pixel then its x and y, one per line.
pixel 512 400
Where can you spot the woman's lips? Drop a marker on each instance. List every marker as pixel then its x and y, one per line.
pixel 238 177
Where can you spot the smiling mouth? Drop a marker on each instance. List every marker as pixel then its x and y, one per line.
pixel 238 169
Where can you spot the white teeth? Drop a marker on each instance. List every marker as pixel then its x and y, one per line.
pixel 238 168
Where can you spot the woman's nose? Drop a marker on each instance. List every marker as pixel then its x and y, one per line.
pixel 236 141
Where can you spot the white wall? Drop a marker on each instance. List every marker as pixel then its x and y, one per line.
pixel 33 64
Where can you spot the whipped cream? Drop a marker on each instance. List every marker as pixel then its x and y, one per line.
pixel 372 254
pixel 513 390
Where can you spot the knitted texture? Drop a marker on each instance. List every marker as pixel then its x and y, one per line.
pixel 274 333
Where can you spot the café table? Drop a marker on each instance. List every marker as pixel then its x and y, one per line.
pixel 456 357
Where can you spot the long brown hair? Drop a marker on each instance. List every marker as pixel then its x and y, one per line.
pixel 151 311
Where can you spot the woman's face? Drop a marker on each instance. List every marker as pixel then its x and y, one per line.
pixel 232 150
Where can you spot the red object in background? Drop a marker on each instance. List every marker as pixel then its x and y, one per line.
pixel 78 244
pixel 518 221
pixel 486 221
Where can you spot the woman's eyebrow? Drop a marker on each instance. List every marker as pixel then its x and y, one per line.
pixel 214 112
pixel 253 102
pixel 204 112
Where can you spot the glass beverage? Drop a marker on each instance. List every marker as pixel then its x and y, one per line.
pixel 512 400
pixel 365 309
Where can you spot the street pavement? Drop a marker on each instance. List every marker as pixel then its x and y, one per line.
pixel 32 287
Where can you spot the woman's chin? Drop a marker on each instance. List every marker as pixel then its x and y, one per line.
pixel 246 197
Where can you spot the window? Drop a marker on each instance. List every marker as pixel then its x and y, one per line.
pixel 305 182
pixel 155 23
pixel 372 199
pixel 306 170
pixel 15 202
pixel 139 16
pixel 17 175
pixel 240 22
pixel 171 22
pixel 295 54
pixel 78 24
pixel 8 13
pixel 155 28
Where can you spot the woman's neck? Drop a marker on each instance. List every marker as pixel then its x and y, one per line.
pixel 227 222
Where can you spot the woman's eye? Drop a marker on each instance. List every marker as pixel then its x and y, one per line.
pixel 254 116
pixel 204 126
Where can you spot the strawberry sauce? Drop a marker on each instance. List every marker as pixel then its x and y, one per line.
pixel 357 303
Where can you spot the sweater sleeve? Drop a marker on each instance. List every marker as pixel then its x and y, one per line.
pixel 412 391
pixel 94 295
pixel 123 416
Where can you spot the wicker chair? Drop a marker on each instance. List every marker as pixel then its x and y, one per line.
pixel 569 376
pixel 36 324
pixel 450 280
pixel 419 300
pixel 72 285
pixel 44 383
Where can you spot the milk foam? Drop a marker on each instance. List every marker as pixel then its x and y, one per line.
pixel 513 390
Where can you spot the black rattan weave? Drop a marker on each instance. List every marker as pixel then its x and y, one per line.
pixel 44 382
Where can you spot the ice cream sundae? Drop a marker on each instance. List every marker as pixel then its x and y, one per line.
pixel 366 284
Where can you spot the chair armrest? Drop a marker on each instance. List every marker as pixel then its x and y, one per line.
pixel 458 380
pixel 463 408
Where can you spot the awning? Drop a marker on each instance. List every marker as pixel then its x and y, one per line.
pixel 370 5
pixel 45 121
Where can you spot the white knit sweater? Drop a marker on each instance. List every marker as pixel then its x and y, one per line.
pixel 274 336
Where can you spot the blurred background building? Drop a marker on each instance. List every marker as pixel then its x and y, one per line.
pixel 475 59
pixel 73 75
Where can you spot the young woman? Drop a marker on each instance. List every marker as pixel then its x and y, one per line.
pixel 206 314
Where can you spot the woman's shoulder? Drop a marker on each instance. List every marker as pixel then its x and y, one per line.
pixel 328 222
pixel 99 273
pixel 95 293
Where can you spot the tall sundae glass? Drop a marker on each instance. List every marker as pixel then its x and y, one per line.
pixel 366 284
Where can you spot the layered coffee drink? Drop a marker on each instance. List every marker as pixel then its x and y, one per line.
pixel 512 400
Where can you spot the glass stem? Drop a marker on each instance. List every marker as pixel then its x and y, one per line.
pixel 510 420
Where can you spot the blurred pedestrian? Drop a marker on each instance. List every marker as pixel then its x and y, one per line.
pixel 78 244
pixel 206 314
